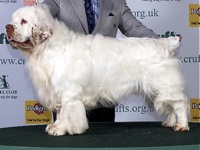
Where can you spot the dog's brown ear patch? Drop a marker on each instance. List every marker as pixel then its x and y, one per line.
pixel 40 34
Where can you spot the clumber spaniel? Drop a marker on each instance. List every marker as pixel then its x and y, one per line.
pixel 72 72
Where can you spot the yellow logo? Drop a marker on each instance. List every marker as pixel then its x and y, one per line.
pixel 35 113
pixel 195 110
pixel 194 15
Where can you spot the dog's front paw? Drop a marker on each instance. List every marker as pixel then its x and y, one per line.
pixel 169 122
pixel 180 127
pixel 48 127
pixel 55 130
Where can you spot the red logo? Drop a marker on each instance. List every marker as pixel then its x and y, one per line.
pixel 37 108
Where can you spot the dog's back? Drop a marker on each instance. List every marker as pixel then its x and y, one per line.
pixel 118 67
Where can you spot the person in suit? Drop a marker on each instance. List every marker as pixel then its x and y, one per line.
pixel 112 15
pixel 109 16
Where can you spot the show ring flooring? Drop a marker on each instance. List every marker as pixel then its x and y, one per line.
pixel 137 136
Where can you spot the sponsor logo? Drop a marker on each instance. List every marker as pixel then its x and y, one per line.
pixel 6 92
pixel 35 113
pixel 195 110
pixel 194 15
pixel 3 38
pixel 37 108
pixel 3 82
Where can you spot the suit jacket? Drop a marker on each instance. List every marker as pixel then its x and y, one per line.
pixel 114 15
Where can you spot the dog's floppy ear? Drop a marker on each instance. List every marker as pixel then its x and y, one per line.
pixel 40 33
pixel 42 29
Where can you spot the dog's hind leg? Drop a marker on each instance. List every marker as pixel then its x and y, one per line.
pixel 171 100
pixel 175 107
pixel 170 116
pixel 180 110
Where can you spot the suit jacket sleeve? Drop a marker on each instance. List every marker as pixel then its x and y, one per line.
pixel 130 26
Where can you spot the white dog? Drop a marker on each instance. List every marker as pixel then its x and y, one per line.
pixel 73 72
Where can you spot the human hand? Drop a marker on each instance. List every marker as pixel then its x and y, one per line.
pixel 30 2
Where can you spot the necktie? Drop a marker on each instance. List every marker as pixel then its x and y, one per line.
pixel 90 15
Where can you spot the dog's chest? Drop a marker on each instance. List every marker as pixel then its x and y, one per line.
pixel 41 74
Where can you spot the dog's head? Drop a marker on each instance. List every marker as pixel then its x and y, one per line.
pixel 30 26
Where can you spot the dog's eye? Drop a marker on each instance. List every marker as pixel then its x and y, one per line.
pixel 23 21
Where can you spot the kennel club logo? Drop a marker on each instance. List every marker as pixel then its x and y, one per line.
pixel 195 110
pixel 6 92
pixel 3 39
pixel 35 113
pixel 194 15
pixel 3 82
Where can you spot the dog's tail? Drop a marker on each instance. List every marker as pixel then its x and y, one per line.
pixel 170 45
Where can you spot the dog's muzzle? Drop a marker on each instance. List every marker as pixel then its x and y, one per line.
pixel 9 30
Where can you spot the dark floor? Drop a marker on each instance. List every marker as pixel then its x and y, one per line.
pixel 103 135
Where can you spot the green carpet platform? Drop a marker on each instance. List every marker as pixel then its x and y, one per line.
pixel 121 136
